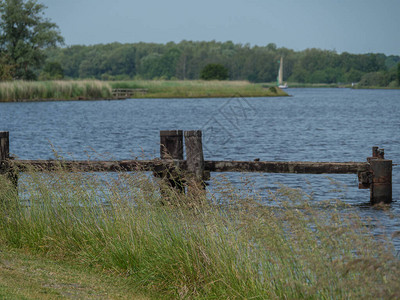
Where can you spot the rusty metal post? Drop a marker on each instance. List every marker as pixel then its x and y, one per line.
pixel 381 185
pixel 171 147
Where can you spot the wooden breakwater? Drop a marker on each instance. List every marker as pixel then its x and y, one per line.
pixel 375 173
pixel 128 93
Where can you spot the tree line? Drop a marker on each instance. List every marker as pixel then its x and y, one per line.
pixel 187 59
pixel 31 47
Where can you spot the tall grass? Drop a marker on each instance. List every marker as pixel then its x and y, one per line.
pixel 94 89
pixel 230 246
pixel 54 90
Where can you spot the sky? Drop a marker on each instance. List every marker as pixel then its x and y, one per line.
pixel 354 26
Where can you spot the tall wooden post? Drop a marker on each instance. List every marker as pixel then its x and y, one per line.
pixel 4 146
pixel 381 185
pixel 5 170
pixel 194 160
pixel 171 147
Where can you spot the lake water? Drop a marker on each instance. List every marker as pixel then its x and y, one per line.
pixel 312 125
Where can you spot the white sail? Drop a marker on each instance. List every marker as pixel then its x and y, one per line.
pixel 280 75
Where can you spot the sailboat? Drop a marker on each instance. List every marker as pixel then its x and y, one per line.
pixel 280 83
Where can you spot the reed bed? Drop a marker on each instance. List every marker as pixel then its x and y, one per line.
pixel 54 90
pixel 14 91
pixel 224 247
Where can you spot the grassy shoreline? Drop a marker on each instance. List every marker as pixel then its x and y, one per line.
pixel 199 89
pixel 25 275
pixel 220 248
pixel 22 91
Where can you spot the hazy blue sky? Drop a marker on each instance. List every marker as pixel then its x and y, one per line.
pixel 355 26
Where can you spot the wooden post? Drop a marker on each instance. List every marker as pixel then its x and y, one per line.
pixel 171 144
pixel 4 147
pixel 5 169
pixel 171 147
pixel 381 185
pixel 194 160
pixel 4 153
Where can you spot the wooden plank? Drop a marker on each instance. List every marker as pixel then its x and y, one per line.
pixel 96 166
pixel 287 167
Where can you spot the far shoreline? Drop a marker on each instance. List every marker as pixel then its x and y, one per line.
pixel 91 90
pixel 96 90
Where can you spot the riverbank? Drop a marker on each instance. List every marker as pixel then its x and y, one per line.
pixel 20 91
pixel 199 89
pixel 25 275
pixel 196 247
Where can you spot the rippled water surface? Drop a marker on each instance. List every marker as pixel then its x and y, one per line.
pixel 312 125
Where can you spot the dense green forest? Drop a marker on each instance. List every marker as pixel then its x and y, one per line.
pixel 185 60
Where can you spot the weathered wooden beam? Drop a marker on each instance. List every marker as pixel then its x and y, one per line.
pixel 96 166
pixel 212 166
pixel 194 161
pixel 194 153
pixel 287 167
pixel 171 147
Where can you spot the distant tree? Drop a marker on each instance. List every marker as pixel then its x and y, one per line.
pixel 353 76
pixel 271 47
pixel 24 34
pixel 391 61
pixel 374 79
pixel 214 72
pixel 6 69
pixel 300 74
pixel 52 70
pixel 151 66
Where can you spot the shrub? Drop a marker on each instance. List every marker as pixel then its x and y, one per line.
pixel 214 72
pixel 374 79
pixel 52 70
